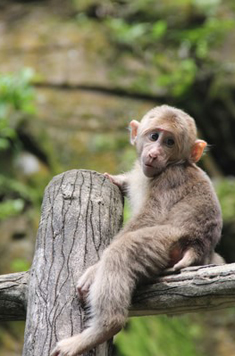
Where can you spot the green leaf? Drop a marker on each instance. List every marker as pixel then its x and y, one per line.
pixel 11 207
pixel 159 29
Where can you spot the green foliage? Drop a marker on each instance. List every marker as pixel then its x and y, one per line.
pixel 137 34
pixel 180 79
pixel 14 196
pixel 201 39
pixel 225 190
pixel 11 207
pixel 16 91
pixel 16 95
pixel 19 265
pixel 181 53
pixel 7 134
pixel 162 336
pixel 10 187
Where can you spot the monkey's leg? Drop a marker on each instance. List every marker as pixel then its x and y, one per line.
pixel 143 252
pixel 108 299
pixel 191 258
pixel 217 259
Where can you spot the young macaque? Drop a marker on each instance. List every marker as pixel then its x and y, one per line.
pixel 176 222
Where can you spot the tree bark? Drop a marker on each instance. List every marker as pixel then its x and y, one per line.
pixel 81 212
pixel 193 289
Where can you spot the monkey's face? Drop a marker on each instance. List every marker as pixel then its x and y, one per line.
pixel 165 136
pixel 157 148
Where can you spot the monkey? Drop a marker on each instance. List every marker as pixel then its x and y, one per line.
pixel 176 223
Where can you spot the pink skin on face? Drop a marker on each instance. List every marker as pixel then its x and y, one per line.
pixel 153 158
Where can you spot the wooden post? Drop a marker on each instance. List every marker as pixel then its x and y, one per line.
pixel 81 212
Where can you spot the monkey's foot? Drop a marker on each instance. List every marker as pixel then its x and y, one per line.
pixel 188 260
pixel 65 348
pixel 85 281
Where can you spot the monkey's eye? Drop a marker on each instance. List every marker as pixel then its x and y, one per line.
pixel 170 142
pixel 154 136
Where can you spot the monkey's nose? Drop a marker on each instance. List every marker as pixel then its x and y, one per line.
pixel 153 155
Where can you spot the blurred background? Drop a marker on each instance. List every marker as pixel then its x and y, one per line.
pixel 73 73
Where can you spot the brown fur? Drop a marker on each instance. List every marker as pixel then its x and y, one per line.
pixel 176 223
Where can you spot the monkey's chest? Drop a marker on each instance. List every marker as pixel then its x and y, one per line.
pixel 138 195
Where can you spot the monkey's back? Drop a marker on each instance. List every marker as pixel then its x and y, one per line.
pixel 194 209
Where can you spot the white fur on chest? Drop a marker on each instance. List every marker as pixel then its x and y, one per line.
pixel 137 189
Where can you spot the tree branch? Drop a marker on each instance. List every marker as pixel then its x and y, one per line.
pixel 194 289
pixel 13 296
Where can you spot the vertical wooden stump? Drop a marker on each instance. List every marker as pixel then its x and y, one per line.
pixel 81 212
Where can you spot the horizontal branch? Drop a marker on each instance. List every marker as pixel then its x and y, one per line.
pixel 113 91
pixel 13 296
pixel 194 289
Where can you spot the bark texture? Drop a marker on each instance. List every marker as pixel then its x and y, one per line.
pixel 81 212
pixel 193 289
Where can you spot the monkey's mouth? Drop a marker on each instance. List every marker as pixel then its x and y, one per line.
pixel 149 165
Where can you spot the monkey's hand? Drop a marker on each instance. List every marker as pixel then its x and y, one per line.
pixel 120 180
pixel 85 281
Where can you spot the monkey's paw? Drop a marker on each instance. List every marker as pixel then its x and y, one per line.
pixel 65 348
pixel 110 177
pixel 117 180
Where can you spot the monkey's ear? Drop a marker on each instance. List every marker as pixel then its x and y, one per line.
pixel 197 150
pixel 134 128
